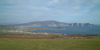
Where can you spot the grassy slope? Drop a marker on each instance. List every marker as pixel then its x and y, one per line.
pixel 50 44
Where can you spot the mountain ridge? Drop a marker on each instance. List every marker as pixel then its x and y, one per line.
pixel 50 22
pixel 59 27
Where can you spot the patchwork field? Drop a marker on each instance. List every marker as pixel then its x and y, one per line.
pixel 49 44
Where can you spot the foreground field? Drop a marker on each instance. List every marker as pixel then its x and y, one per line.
pixel 49 44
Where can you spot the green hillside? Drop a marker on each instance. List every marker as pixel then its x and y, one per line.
pixel 49 44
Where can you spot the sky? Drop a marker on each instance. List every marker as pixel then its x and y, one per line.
pixel 69 11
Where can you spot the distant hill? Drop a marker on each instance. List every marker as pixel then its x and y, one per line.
pixel 42 23
pixel 60 27
pixel 54 23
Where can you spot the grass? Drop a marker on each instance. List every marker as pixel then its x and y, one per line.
pixel 49 44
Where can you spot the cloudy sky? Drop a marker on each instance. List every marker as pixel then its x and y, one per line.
pixel 69 11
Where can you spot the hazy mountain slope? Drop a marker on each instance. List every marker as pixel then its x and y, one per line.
pixel 60 27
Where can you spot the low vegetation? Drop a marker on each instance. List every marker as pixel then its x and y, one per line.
pixel 49 44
